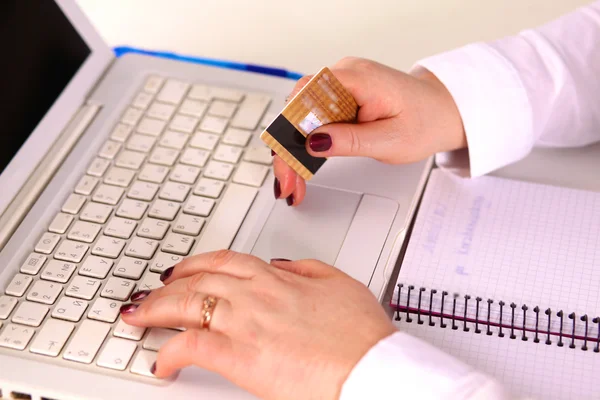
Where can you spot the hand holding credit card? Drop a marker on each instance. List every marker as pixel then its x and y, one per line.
pixel 323 100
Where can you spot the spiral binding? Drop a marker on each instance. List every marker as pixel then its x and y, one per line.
pixel 565 335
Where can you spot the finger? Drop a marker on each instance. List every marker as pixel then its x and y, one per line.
pixel 178 310
pixel 300 83
pixel 299 192
pixel 307 268
pixel 220 285
pixel 285 178
pixel 208 350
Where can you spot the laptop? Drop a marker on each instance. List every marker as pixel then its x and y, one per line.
pixel 114 169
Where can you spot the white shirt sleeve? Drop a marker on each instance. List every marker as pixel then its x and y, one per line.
pixel 538 88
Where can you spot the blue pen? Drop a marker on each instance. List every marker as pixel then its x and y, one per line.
pixel 261 69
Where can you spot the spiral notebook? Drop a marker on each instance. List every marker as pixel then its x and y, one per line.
pixel 505 275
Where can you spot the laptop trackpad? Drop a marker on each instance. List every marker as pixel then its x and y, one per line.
pixel 315 229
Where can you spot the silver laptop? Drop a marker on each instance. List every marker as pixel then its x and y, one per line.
pixel 114 169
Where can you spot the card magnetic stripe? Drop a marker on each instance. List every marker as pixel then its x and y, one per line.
pixel 293 141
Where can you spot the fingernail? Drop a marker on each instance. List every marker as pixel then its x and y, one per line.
pixel 319 142
pixel 141 295
pixel 277 188
pixel 279 259
pixel 166 274
pixel 153 368
pixel 128 308
pixel 272 153
pixel 290 199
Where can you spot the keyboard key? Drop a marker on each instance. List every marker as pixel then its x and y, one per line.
pixel 109 150
pixel 142 363
pixel 95 212
pixel 87 341
pixel 131 116
pixel 151 126
pixel 237 137
pixel 58 271
pixel 73 204
pixel 69 250
pixel 259 154
pixel 157 337
pixel 98 167
pixel 83 288
pixel 121 132
pixel 16 337
pixel 120 227
pixel 224 109
pixel 86 185
pixel 153 84
pixel 61 223
pixel 142 100
pixel 226 94
pixel 52 337
pixel 230 154
pixel 164 156
pixel 200 206
pixel 131 268
pixel 250 174
pixel 194 157
pixel 18 285
pixel 142 248
pixel 184 174
pixel 7 304
pixel 96 267
pixel 163 261
pixel 130 159
pixel 251 111
pixel 33 264
pixel 84 231
pixel 142 191
pixel 161 111
pixel 174 140
pixel 108 247
pixel 118 289
pixel 218 170
pixel 31 314
pixel 108 194
pixel 119 177
pixel 44 292
pixel 141 143
pixel 209 188
pixel 151 281
pixel 173 91
pixel 153 173
pixel 126 331
pixel 153 229
pixel 177 244
pixel 188 225
pixel 116 354
pixel 213 124
pixel 184 123
pixel 104 310
pixel 47 243
pixel 227 218
pixel 164 209
pixel 132 209
pixel 69 309
pixel 174 191
pixel 200 92
pixel 194 108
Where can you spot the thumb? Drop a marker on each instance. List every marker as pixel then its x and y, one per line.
pixel 366 139
pixel 307 268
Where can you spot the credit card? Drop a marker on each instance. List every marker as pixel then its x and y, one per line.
pixel 322 101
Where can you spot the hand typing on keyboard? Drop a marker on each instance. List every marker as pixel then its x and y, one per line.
pixel 301 324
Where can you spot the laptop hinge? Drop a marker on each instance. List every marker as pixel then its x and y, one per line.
pixel 45 170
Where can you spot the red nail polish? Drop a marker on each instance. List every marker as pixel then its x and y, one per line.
pixel 128 308
pixel 290 200
pixel 277 188
pixel 272 153
pixel 166 274
pixel 153 368
pixel 279 259
pixel 141 295
pixel 319 142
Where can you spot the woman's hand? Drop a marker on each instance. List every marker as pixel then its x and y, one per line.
pixel 402 118
pixel 285 330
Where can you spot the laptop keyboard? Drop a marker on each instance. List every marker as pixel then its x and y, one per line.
pixel 176 177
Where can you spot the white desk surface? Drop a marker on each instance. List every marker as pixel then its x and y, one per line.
pixel 305 35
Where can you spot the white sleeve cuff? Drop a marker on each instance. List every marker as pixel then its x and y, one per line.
pixel 493 105
pixel 402 366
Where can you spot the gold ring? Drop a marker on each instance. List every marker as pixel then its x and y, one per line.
pixel 208 307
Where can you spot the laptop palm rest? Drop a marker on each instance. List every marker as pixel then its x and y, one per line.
pixel 329 224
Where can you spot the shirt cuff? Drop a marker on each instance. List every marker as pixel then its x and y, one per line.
pixel 493 105
pixel 402 366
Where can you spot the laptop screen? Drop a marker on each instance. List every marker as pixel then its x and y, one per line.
pixel 41 52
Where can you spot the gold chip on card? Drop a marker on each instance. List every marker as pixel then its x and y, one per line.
pixel 323 100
